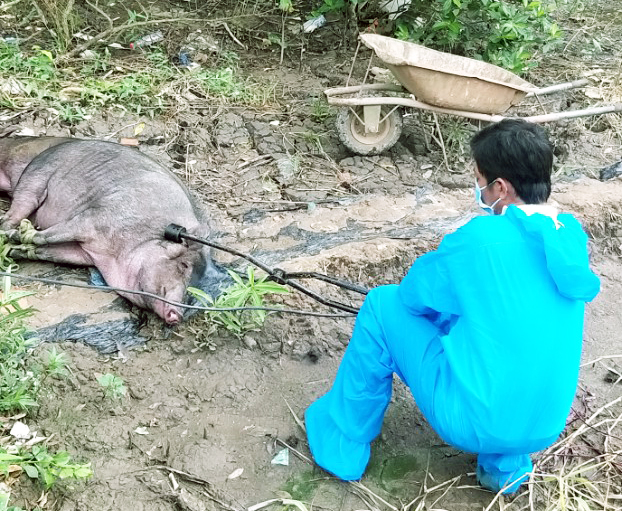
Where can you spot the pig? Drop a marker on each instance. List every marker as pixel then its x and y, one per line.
pixel 96 203
pixel 17 153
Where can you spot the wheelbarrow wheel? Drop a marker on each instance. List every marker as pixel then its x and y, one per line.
pixel 352 133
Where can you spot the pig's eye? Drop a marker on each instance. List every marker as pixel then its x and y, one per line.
pixel 184 266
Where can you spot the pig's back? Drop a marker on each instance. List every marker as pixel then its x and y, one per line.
pixel 118 185
pixel 17 152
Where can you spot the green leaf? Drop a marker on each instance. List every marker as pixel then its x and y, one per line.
pixel 106 379
pixel 66 472
pixel 5 456
pixel 4 500
pixel 286 5
pixel 83 471
pixel 47 477
pixel 47 54
pixel 236 277
pixel 61 458
pixel 31 471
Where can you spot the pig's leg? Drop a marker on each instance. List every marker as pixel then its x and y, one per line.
pixel 22 206
pixel 67 253
pixel 70 232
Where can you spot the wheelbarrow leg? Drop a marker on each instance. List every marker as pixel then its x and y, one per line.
pixel 371 118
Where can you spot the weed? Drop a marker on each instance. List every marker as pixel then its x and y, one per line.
pixel 39 463
pixel 241 294
pixel 114 386
pixel 154 84
pixel 20 381
pixel 303 486
pixel 55 363
pixel 18 384
pixel 59 18
pixel 71 114
pixel 457 134
pixel 319 110
pixel 286 6
pixel 331 6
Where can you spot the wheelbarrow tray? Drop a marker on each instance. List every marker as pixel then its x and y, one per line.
pixel 449 81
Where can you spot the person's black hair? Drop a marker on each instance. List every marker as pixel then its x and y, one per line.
pixel 519 152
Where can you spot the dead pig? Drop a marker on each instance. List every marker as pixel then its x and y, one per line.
pixel 17 152
pixel 101 204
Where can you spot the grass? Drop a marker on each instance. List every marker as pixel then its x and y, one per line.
pixel 21 378
pixel 18 384
pixel 147 83
pixel 59 18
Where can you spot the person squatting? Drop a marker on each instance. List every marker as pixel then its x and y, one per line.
pixel 474 327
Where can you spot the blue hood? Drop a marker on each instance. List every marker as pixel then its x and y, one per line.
pixel 565 248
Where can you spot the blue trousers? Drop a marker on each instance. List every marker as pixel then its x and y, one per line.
pixel 388 339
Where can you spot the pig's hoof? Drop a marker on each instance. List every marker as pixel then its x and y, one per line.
pixel 13 235
pixel 20 253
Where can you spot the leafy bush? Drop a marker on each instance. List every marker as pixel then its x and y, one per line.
pixel 506 33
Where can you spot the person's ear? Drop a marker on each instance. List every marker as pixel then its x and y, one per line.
pixel 503 187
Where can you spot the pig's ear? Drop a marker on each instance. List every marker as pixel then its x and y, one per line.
pixel 174 250
pixel 200 230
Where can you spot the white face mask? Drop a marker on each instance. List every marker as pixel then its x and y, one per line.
pixel 478 198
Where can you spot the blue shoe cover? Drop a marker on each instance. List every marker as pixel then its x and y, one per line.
pixel 497 472
pixel 331 449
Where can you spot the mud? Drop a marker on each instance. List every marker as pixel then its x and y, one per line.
pixel 281 187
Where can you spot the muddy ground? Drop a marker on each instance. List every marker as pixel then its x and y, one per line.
pixel 280 185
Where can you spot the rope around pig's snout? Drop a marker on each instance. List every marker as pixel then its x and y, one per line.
pixel 109 289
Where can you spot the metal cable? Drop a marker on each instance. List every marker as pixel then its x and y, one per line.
pixel 175 233
pixel 109 289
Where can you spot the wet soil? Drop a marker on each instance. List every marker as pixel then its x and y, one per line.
pixel 204 418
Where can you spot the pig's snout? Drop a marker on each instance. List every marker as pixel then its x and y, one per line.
pixel 169 313
pixel 172 317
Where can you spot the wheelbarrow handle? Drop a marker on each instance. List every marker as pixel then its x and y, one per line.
pixel 571 114
pixel 559 87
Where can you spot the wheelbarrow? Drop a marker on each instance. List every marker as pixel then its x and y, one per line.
pixel 371 121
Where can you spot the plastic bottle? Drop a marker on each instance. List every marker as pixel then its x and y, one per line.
pixel 147 40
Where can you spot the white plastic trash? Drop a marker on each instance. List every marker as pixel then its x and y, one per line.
pixel 313 24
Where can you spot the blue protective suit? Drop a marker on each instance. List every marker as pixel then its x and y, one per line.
pixel 487 333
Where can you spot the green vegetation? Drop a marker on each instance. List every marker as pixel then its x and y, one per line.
pixel 506 33
pixel 241 294
pixel 114 386
pixel 148 85
pixel 59 17
pixel 21 376
pixel 18 383
pixel 320 109
pixel 39 463
pixel 303 485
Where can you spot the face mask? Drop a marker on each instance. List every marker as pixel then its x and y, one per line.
pixel 478 198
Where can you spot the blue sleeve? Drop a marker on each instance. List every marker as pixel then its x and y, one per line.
pixel 428 287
